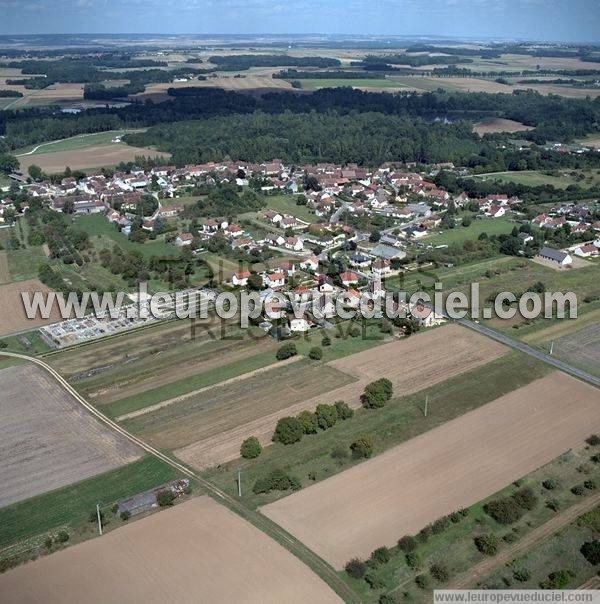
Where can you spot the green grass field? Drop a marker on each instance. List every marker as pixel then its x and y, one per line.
pixel 81 141
pixel 36 344
pixel 400 420
pixel 533 178
pixel 104 234
pixel 72 504
pixel 24 264
pixel 287 204
pixel 460 234
pixel 309 84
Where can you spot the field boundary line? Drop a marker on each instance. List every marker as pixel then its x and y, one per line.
pixel 307 556
pixel 183 397
pixel 549 528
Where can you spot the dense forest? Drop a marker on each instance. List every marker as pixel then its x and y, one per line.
pixel 243 62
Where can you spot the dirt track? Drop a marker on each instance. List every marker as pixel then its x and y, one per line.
pixel 46 440
pixel 447 468
pixel 411 364
pixel 196 552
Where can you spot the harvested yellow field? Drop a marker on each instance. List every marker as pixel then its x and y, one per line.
pixel 195 552
pixel 498 124
pixel 450 467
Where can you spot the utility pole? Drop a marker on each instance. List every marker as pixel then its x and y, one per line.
pixel 239 481
pixel 551 347
pixel 426 404
pixel 99 519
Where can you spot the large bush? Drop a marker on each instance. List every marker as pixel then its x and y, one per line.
pixel 362 447
pixel 288 430
pixel 487 544
pixel 526 498
pixel 250 448
pixel 440 572
pixel 326 416
pixel 504 510
pixel 165 497
pixel 356 568
pixel 343 411
pixel 377 393
pixel 286 351
pixel 381 555
pixel 315 353
pixel 309 422
pixel 276 480
pixel 407 543
pixel 591 551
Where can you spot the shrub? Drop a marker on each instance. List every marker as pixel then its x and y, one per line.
pixel 525 498
pixel 289 430
pixel 315 353
pixel 374 581
pixel 309 422
pixel 440 572
pixel 362 447
pixel 93 517
pixel 504 510
pixel 165 498
pixel 276 480
pixel 455 517
pixel 343 411
pixel 440 525
pixel 509 538
pixel 593 440
pixel 578 490
pixel 422 581
pixel 522 575
pixel 326 416
pixel 407 543
pixel 595 458
pixel 557 580
pixel 125 515
pixel 356 568
pixel 550 484
pixel 250 448
pixel 286 351
pixel 377 393
pixel 487 544
pixel 553 504
pixel 413 560
pixel 48 542
pixel 381 555
pixel 590 485
pixel 387 599
pixel 591 551
pixel 326 341
pixel 62 536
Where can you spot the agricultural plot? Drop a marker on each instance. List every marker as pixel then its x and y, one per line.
pixel 466 460
pixel 12 313
pixel 97 156
pixel 460 234
pixel 581 348
pixel 533 178
pixel 491 125
pixel 196 548
pixel 48 440
pixel 4 272
pixel 402 362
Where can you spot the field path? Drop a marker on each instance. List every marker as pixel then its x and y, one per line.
pixel 183 397
pixel 487 566
pixel 272 530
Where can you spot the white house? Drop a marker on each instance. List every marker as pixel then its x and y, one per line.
pixel 240 278
pixel 184 239
pixel 298 324
pixel 274 280
pixel 586 251
pixel 311 263
pixel 293 243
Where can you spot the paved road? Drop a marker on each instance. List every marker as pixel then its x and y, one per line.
pixel 538 354
pixel 296 547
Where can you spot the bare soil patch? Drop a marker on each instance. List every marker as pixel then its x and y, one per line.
pixel 90 157
pixel 12 313
pixel 450 467
pixel 411 364
pixel 498 124
pixel 47 440
pixel 196 551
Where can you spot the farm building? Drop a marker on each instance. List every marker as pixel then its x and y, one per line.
pixel 557 256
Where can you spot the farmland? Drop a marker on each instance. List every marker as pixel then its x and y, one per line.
pixel 462 458
pixel 581 348
pixel 48 441
pixel 497 124
pixel 533 178
pixel 458 351
pixel 96 156
pixel 12 313
pixel 211 551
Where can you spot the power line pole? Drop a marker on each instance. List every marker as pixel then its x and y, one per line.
pixel 426 404
pixel 551 347
pixel 239 481
pixel 99 518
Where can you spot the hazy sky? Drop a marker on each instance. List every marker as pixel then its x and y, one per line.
pixel 567 20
